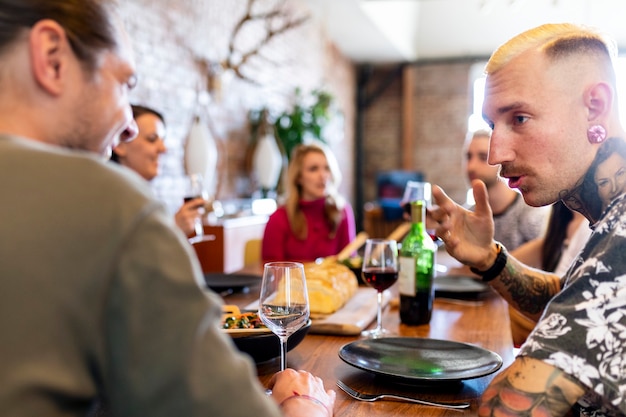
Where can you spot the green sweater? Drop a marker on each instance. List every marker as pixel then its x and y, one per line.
pixel 100 298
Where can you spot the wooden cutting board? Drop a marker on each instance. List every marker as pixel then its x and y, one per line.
pixel 354 317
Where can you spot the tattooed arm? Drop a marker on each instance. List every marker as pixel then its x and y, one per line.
pixel 530 387
pixel 468 236
pixel 526 289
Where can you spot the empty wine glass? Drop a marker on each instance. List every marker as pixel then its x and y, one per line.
pixel 380 271
pixel 194 188
pixel 418 190
pixel 414 191
pixel 284 301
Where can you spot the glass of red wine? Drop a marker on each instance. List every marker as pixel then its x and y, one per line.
pixel 380 271
pixel 194 189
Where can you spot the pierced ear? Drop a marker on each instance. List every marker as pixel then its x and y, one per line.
pixel 599 101
pixel 48 51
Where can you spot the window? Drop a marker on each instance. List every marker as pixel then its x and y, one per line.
pixel 476 121
pixel 620 72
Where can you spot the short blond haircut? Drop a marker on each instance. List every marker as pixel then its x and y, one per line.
pixel 557 40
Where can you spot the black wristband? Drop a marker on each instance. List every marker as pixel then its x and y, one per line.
pixel 496 268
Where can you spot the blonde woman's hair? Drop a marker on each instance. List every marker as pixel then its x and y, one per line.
pixel 334 202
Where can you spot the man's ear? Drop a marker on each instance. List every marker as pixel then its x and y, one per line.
pixel 599 101
pixel 49 51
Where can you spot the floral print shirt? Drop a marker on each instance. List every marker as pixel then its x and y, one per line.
pixel 583 328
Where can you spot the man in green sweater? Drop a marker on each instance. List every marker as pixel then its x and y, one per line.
pixel 99 296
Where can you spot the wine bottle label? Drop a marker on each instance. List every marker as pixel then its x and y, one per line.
pixel 406 276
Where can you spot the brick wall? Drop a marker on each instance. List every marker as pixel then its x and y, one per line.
pixel 442 108
pixel 442 105
pixel 172 37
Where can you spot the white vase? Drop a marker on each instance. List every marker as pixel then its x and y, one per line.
pixel 201 154
pixel 267 162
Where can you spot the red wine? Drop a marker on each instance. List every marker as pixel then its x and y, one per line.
pixel 187 199
pixel 380 278
pixel 416 310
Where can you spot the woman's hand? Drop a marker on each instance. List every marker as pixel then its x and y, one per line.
pixel 187 214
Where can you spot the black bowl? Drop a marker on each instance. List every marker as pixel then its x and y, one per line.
pixel 266 346
pixel 356 265
pixel 357 272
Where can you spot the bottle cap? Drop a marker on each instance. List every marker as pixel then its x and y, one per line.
pixel 417 211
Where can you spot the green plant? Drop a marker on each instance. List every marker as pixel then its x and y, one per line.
pixel 295 126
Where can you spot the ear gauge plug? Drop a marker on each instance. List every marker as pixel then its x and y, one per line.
pixel 596 134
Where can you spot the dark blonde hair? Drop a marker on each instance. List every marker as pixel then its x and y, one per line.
pixel 589 187
pixel 138 110
pixel 88 24
pixel 333 208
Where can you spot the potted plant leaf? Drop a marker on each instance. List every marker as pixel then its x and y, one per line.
pixel 304 121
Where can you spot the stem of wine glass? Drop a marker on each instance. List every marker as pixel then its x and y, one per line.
pixel 199 228
pixel 379 316
pixel 283 352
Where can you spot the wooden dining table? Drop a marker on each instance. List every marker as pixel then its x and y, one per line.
pixel 482 322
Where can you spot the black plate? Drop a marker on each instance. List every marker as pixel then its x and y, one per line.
pixel 220 282
pixel 419 360
pixel 263 347
pixel 451 285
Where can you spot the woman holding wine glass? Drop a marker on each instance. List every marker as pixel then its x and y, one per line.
pixel 142 153
pixel 380 271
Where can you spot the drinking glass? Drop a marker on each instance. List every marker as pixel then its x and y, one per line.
pixel 414 191
pixel 380 271
pixel 194 188
pixel 284 301
pixel 418 190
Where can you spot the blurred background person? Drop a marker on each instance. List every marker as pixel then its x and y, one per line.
pixel 315 220
pixel 609 175
pixel 515 222
pixel 555 251
pixel 142 156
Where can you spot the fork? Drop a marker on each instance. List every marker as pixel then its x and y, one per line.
pixel 369 397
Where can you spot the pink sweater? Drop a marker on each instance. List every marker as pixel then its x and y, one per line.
pixel 280 244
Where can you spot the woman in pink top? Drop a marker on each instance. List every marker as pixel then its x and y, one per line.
pixel 315 220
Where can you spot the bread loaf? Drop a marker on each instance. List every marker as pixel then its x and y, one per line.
pixel 330 285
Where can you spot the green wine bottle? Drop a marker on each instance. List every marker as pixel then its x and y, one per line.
pixel 417 270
